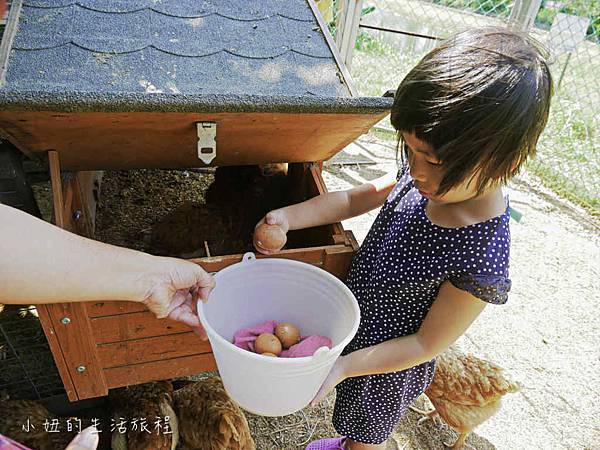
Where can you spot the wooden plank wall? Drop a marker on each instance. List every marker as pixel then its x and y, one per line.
pixel 134 347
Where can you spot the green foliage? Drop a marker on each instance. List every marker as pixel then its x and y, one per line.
pixel 487 7
pixel 365 42
pixel 581 8
pixel 545 17
pixel 546 14
pixel 367 10
pixel 333 24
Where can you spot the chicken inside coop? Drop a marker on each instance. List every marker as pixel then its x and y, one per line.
pixel 235 201
pixel 159 415
pixel 466 391
pixel 23 421
pixel 196 213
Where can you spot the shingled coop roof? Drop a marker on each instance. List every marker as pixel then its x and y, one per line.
pixel 230 53
pixel 265 71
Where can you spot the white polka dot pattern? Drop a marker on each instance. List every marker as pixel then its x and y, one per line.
pixel 395 276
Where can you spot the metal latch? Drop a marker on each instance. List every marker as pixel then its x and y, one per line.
pixel 207 143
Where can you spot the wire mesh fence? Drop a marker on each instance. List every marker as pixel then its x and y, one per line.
pixel 27 368
pixel 393 35
pixel 569 151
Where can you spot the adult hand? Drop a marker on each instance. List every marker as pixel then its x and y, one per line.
pixel 337 374
pixel 88 439
pixel 174 292
pixel 275 217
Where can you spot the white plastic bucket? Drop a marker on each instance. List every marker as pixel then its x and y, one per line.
pixel 256 290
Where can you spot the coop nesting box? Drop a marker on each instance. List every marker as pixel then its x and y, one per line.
pixel 92 85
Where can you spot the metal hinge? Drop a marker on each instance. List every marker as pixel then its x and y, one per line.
pixel 207 143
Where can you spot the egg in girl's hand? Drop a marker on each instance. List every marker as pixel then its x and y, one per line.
pixel 288 334
pixel 267 343
pixel 269 237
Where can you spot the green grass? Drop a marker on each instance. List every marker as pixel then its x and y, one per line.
pixel 568 159
pixel 568 155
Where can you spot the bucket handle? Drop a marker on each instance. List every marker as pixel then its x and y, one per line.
pixel 321 354
pixel 248 256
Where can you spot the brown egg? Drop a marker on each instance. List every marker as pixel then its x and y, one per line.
pixel 269 354
pixel 288 334
pixel 267 343
pixel 269 237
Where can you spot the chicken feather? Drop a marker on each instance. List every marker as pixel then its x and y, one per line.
pixel 467 380
pixel 466 391
pixel 17 414
pixel 151 401
pixel 209 419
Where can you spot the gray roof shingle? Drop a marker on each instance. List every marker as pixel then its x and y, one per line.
pixel 265 47
pixel 174 55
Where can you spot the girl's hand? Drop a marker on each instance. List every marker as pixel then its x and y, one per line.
pixel 174 292
pixel 335 377
pixel 275 217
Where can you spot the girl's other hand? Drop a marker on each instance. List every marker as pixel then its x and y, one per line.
pixel 275 217
pixel 337 374
pixel 174 292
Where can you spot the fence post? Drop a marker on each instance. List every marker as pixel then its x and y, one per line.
pixel 523 13
pixel 348 28
pixel 339 16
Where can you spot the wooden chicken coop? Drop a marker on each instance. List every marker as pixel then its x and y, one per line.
pixel 89 86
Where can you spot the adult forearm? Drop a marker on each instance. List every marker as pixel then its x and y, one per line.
pixel 41 262
pixel 389 356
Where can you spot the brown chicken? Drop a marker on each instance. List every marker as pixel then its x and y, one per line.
pixel 236 200
pixel 209 419
pixel 235 184
pixel 149 404
pixel 249 192
pixel 31 424
pixel 466 391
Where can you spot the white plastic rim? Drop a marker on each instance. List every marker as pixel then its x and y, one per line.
pixel 256 290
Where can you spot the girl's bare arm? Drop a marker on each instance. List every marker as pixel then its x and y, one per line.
pixel 335 206
pixel 449 317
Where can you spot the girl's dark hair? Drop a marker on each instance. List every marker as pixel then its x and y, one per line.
pixel 481 100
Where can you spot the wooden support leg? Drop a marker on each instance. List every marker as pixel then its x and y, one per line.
pixel 57 193
pixel 67 326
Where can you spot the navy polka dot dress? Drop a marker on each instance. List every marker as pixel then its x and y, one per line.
pixel 395 277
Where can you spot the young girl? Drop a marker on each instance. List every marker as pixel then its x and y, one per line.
pixel 468 116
